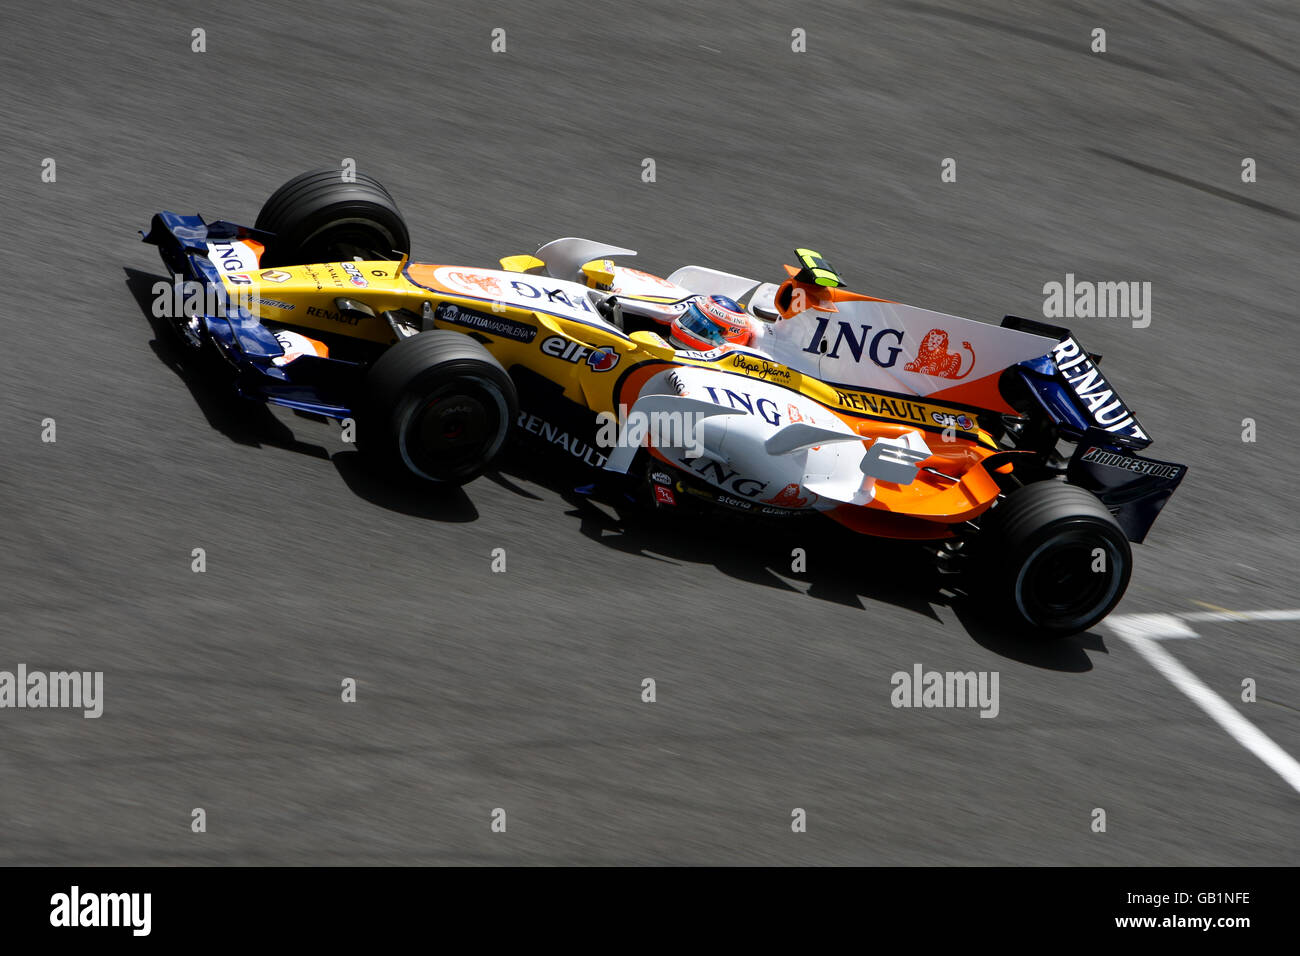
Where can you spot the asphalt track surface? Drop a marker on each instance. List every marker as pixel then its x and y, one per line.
pixel 522 690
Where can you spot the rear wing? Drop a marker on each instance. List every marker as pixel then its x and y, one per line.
pixel 1070 388
pixel 1134 489
pixel 1088 411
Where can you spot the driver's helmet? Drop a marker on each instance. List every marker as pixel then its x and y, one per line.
pixel 711 321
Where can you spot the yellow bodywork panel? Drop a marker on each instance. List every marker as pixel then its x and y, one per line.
pixel 304 296
pixel 594 363
pixel 599 273
pixel 521 263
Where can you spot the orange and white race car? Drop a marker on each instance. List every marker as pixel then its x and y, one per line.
pixel 768 398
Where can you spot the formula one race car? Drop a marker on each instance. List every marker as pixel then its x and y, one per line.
pixel 771 399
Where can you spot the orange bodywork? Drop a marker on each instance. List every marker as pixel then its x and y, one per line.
pixel 922 510
pixel 821 298
pixel 925 508
pixel 426 275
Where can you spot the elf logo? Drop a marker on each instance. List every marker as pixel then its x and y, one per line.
pixel 355 276
pixel 600 360
pixel 949 420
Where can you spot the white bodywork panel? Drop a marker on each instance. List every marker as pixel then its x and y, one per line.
pixel 762 442
pixel 704 281
pixel 232 256
pixel 520 290
pixel 895 348
pixel 758 441
pixel 565 258
pixel 878 345
pixel 762 302
pixel 637 292
pixel 885 346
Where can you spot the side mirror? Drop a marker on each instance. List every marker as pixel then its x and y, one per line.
pixel 611 310
pixel 652 343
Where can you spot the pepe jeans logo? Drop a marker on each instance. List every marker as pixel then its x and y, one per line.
pixel 760 368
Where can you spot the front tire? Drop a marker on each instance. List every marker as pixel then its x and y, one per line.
pixel 438 406
pixel 318 217
pixel 1054 559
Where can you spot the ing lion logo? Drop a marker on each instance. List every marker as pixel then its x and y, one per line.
pixel 935 359
pixel 486 284
pixel 787 497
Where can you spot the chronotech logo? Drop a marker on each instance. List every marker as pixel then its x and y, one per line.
pixel 857 339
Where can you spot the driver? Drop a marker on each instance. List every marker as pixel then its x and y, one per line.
pixel 709 322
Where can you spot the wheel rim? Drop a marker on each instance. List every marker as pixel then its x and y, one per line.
pixel 1057 587
pixel 454 431
pixel 340 241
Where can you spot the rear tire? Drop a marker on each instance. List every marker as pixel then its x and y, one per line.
pixel 438 406
pixel 1053 559
pixel 317 217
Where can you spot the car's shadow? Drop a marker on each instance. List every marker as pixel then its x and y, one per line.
pixel 813 555
pixel 210 383
pixel 836 564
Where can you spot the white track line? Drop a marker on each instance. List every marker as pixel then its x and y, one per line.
pixel 1162 626
pixel 1144 632
pixel 1242 616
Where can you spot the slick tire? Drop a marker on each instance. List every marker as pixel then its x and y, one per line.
pixel 437 407
pixel 1054 561
pixel 317 217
